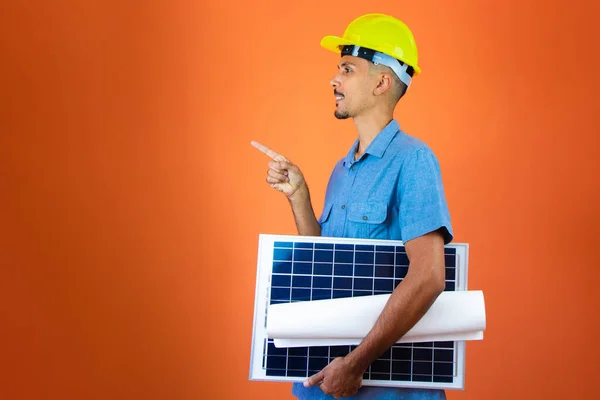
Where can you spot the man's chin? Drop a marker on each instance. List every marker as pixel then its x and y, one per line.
pixel 341 114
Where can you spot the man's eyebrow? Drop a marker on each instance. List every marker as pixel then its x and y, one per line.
pixel 347 63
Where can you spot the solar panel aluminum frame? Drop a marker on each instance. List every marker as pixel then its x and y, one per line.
pixel 266 244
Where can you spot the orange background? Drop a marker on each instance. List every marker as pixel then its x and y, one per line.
pixel 132 200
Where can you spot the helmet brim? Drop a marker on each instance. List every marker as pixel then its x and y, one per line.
pixel 333 43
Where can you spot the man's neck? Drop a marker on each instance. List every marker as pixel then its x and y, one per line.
pixel 369 126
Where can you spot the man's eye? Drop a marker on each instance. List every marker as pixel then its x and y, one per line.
pixel 347 70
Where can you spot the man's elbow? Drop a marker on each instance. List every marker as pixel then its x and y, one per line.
pixel 437 280
pixel 439 285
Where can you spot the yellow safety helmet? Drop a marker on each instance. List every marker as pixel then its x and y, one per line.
pixel 379 33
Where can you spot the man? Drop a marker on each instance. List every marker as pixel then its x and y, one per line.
pixel 388 186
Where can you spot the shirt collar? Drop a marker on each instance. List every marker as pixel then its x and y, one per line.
pixel 379 144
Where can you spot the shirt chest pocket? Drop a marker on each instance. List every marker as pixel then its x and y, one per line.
pixel 367 220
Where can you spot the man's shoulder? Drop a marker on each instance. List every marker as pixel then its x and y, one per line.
pixel 405 145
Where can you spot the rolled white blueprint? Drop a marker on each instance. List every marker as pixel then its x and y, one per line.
pixel 457 315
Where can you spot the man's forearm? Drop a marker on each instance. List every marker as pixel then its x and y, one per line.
pixel 406 306
pixel 304 215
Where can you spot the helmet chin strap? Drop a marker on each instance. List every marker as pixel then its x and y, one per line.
pixel 399 68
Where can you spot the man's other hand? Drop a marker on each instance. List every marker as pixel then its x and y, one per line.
pixel 338 379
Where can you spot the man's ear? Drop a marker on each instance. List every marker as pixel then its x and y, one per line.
pixel 384 83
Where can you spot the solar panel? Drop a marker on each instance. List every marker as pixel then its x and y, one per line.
pixel 300 268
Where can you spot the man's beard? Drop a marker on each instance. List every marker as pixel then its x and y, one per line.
pixel 341 114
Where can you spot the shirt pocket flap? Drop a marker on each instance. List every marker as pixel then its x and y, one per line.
pixel 369 213
pixel 325 214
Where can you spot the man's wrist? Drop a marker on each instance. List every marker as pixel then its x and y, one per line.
pixel 299 196
pixel 358 361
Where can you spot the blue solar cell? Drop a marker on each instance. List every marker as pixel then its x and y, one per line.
pixel 322 282
pixel 363 284
pixel 365 247
pixel 323 255
pixel 342 283
pixel 302 268
pixel 381 366
pixel 303 255
pixel 280 294
pixel 443 355
pixel 282 254
pixel 282 267
pixel 422 354
pixel 342 270
pixel 401 377
pixel 342 246
pixel 401 272
pixel 321 294
pixel 324 246
pixel 384 285
pixel 364 270
pixel 385 248
pixel 298 351
pixel 450 260
pixel 301 281
pixel 296 373
pixel 422 368
pixel 401 354
pixel 275 372
pixel 278 362
pixel 422 378
pixel 302 245
pixel 300 363
pixel 384 272
pixel 300 294
pixel 384 258
pixel 318 351
pixel 401 367
pixel 342 293
pixel 281 280
pixel 363 257
pixel 317 363
pixel 402 259
pixel 323 269
pixel 443 368
pixel 346 257
pixel 283 244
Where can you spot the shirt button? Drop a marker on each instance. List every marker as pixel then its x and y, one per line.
pixel 343 206
pixel 353 168
pixel 365 217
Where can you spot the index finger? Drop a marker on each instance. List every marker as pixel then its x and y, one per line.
pixel 271 153
pixel 314 379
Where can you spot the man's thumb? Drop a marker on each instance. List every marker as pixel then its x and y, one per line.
pixel 315 379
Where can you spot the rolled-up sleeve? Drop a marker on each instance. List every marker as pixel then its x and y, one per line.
pixel 423 206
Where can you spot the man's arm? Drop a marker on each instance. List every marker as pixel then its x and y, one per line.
pixel 304 215
pixel 410 300
pixel 408 303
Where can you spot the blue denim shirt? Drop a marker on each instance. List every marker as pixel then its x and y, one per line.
pixel 393 191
